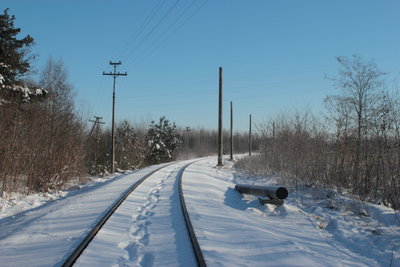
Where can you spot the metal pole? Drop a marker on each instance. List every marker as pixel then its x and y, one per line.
pixel 231 158
pixel 250 141
pixel 187 141
pixel 220 141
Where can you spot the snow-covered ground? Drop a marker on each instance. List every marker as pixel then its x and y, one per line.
pixel 235 230
pixel 47 234
pixel 314 227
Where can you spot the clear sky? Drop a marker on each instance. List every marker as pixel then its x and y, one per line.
pixel 275 54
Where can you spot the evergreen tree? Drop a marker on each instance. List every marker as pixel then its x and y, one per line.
pixel 14 62
pixel 163 141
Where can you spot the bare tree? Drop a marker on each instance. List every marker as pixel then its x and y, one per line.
pixel 60 154
pixel 359 82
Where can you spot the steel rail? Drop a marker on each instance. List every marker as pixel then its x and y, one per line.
pixel 195 244
pixel 78 251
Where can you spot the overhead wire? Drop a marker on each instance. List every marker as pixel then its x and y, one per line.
pixel 170 26
pixel 142 28
pixel 159 41
pixel 137 40
pixel 152 30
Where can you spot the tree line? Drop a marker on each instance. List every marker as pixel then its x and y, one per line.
pixel 354 146
pixel 138 146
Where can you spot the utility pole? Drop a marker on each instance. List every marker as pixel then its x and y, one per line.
pixel 96 123
pixel 250 141
pixel 220 141
pixel 187 130
pixel 231 158
pixel 273 131
pixel 237 142
pixel 115 74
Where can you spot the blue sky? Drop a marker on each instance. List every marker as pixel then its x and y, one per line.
pixel 275 54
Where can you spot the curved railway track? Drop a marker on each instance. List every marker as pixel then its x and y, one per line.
pixel 195 245
pixel 189 226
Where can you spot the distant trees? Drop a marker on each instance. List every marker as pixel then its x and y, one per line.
pixel 198 143
pixel 204 142
pixel 135 147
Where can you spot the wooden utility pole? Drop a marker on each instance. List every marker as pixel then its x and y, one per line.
pixel 96 126
pixel 96 123
pixel 250 141
pixel 231 158
pixel 237 140
pixel 273 131
pixel 187 130
pixel 220 141
pixel 115 74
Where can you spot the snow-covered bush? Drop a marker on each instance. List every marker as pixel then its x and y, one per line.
pixel 130 150
pixel 162 140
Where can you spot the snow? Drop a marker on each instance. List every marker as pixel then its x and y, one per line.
pixel 315 227
pixel 25 92
pixel 368 233
pixel 16 203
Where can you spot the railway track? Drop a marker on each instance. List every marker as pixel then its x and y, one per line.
pixel 79 250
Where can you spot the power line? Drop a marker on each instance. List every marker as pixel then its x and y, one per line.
pixel 155 26
pixel 167 30
pixel 142 27
pixel 155 46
